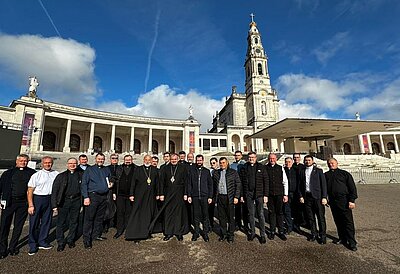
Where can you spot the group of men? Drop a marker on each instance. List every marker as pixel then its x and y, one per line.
pixel 181 195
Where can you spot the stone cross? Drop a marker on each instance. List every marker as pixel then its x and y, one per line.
pixel 252 17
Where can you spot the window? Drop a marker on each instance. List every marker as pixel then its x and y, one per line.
pixel 222 143
pixel 206 144
pixel 260 70
pixel 256 40
pixel 214 142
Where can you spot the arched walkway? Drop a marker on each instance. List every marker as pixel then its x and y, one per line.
pixel 118 145
pixel 74 143
pixel 49 141
pixel 97 144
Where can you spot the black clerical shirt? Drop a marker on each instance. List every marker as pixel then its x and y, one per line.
pixel 73 186
pixel 20 181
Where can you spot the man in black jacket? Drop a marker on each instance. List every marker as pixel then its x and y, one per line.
pixel 342 194
pixel 121 191
pixel 228 188
pixel 66 201
pixel 292 175
pixel 278 194
pixel 313 192
pixel 13 188
pixel 254 178
pixel 200 193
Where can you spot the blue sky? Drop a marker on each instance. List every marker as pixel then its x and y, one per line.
pixel 155 58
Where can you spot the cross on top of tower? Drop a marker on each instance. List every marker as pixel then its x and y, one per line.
pixel 252 17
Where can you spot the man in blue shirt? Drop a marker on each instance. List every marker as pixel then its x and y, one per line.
pixel 96 182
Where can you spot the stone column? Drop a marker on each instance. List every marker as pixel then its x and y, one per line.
pixel 361 144
pixel 183 139
pixel 132 143
pixel 166 140
pixel 396 144
pixel 67 137
pixel 369 143
pixel 150 141
pixel 91 138
pixel 382 144
pixel 112 142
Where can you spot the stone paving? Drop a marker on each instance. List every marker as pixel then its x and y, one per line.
pixel 378 233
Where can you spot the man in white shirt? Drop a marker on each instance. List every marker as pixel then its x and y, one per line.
pixel 39 210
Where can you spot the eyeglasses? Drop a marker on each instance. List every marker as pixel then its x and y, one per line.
pixel 213 163
pixel 114 158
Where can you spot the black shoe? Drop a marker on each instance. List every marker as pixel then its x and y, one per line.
pixel 353 248
pixel 337 242
pixel 312 238
pixel 33 252
pixel 87 245
pixel 282 236
pixel 167 237
pixel 71 245
pixel 100 238
pixel 205 238
pixel 3 255
pixel 271 236
pixel 179 238
pixel 117 235
pixel 13 252
pixel 251 237
pixel 195 237
pixel 221 238
pixel 230 240
pixel 322 241
pixel 136 242
pixel 263 240
pixel 60 248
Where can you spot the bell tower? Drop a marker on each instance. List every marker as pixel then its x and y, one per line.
pixel 262 104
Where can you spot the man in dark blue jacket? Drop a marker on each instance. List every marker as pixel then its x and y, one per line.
pixel 96 182
pixel 13 188
pixel 200 193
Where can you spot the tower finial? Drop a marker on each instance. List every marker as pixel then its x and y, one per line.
pixel 252 17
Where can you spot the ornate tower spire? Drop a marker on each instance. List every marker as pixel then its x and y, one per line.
pixel 261 100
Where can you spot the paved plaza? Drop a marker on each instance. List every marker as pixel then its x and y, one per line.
pixel 377 231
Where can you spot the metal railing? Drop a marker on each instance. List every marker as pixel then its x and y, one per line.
pixel 375 175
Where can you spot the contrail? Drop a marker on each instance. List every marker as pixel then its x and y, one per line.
pixel 51 20
pixel 153 45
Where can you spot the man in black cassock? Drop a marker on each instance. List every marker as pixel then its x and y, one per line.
pixel 172 190
pixel 342 195
pixel 143 197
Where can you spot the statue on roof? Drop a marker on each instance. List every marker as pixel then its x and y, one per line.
pixel 33 84
pixel 191 111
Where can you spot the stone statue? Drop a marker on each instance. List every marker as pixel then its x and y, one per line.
pixel 191 111
pixel 358 116
pixel 33 84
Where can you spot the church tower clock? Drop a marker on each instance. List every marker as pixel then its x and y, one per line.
pixel 262 104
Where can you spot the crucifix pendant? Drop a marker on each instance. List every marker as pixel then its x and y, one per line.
pixel 148 181
pixel 172 179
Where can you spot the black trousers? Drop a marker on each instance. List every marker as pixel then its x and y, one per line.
pixel 275 212
pixel 315 208
pixel 287 212
pixel 255 207
pixel 343 217
pixel 211 213
pixel 124 208
pixel 242 214
pixel 68 217
pixel 226 215
pixel 200 214
pixel 18 209
pixel 94 216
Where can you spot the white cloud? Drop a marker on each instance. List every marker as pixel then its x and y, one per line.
pixel 166 102
pixel 298 111
pixel 64 67
pixel 330 47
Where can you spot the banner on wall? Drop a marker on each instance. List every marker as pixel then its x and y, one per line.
pixel 27 129
pixel 365 143
pixel 191 142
